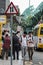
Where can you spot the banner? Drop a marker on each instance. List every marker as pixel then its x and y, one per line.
pixel 2 19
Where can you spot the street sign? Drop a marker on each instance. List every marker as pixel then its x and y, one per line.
pixel 2 19
pixel 11 9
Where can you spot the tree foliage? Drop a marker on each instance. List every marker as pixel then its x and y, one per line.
pixel 34 18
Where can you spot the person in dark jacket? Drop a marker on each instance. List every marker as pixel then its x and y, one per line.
pixel 6 46
pixel 15 46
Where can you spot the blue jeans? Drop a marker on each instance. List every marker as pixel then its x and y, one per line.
pixel 23 51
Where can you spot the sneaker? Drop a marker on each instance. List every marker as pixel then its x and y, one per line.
pixel 31 62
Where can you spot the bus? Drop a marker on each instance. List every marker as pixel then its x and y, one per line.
pixel 0 40
pixel 38 36
pixel 2 21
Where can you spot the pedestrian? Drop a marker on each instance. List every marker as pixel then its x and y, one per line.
pixel 15 46
pixel 24 43
pixel 19 36
pixel 30 45
pixel 6 46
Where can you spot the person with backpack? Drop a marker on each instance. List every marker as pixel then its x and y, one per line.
pixel 16 44
pixel 30 45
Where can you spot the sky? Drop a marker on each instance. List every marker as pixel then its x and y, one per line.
pixel 23 4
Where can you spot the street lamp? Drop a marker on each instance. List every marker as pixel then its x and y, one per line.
pixel 29 3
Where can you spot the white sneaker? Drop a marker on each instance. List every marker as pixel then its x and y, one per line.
pixel 31 62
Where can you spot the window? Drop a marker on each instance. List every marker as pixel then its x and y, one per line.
pixel 41 31
pixel 35 32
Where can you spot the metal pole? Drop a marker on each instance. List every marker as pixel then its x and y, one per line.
pixel 11 36
pixel 29 3
pixel 23 57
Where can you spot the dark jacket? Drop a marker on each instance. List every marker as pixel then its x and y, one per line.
pixel 16 43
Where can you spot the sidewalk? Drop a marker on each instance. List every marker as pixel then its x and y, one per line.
pixel 14 62
pixel 8 62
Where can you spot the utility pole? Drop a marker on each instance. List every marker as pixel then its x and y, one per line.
pixel 29 3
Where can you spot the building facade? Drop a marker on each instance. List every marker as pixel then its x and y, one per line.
pixel 3 5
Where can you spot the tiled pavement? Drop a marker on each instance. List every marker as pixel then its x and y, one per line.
pixel 20 61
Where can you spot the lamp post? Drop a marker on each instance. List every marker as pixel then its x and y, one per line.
pixel 29 3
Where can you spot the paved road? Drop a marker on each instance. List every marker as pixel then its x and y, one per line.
pixel 37 60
